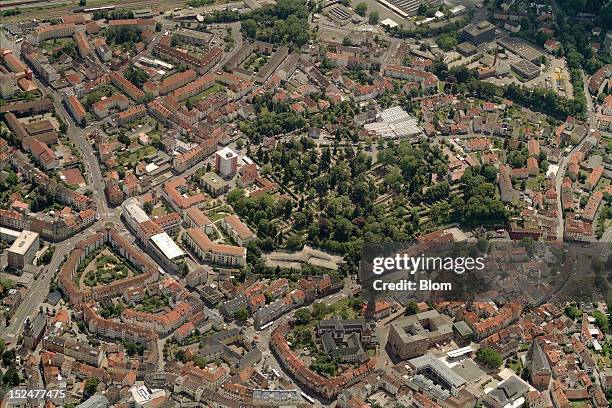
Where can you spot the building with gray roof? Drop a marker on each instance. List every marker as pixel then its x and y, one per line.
pixel 412 336
pixel 507 393
pixel 434 377
pixel 539 368
pixel 347 349
pixel 340 329
pixel 95 401
pixel 463 333
pixel 479 33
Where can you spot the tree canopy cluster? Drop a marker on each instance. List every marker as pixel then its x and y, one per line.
pixel 135 75
pixel 542 100
pixel 489 357
pixel 271 124
pixel 118 14
pixel 479 204
pixel 427 31
pixel 261 211
pixel 600 8
pixel 286 22
pixel 124 35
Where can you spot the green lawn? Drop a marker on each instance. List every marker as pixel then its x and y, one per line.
pixel 603 183
pixel 516 365
pixel 108 268
pixel 159 211
pixel 139 154
pixel 215 88
pixel 534 183
pixel 50 45
pixel 217 216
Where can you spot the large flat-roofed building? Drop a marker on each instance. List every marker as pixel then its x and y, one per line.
pixel 407 8
pixel 167 247
pixel 412 336
pixel 133 213
pixel 193 36
pixel 479 33
pixel 8 235
pixel 466 49
pixel 23 250
pixel 434 377
pixel 526 69
pixel 214 184
pixel 520 47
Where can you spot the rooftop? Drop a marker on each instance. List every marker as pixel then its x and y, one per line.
pixel 167 246
pixel 23 243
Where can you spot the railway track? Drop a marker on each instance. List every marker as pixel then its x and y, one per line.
pixel 66 8
pixel 20 3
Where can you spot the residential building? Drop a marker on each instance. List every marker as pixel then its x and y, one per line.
pixel 177 80
pixel 126 86
pixel 237 230
pixel 226 162
pixel 142 24
pixel 49 31
pixel 188 159
pixel 195 218
pixel 209 251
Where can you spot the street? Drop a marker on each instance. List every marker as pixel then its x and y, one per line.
pixel 592 123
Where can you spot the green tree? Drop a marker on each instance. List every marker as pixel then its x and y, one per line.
pixel 303 316
pixel 47 256
pixel 148 207
pixel 573 312
pixel 82 3
pixel 91 385
pixel 241 314
pixel 447 41
pixel 123 138
pixel 62 126
pixel 374 18
pixel 488 357
pixel 135 75
pixel 411 308
pixel 11 377
pixel 8 357
pixel 249 28
pixel 601 320
pixel 361 9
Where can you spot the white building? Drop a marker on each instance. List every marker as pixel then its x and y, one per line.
pixel 394 123
pixel 133 213
pixel 226 161
pixel 23 250
pixel 167 247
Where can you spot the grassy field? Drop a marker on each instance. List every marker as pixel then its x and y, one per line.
pixel 139 155
pixel 215 88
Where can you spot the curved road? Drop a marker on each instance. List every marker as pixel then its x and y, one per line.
pixel 40 287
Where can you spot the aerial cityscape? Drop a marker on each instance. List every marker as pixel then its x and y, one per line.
pixel 305 203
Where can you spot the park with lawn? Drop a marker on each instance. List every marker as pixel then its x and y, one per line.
pixel 104 268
